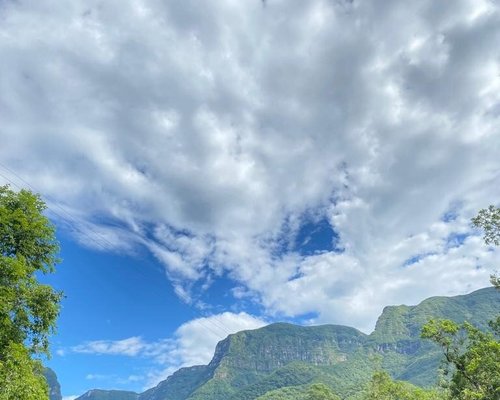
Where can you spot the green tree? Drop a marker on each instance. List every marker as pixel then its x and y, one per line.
pixel 382 387
pixel 472 359
pixel 319 391
pixel 28 309
pixel 488 219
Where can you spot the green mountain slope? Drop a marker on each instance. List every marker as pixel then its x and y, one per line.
pixel 282 360
pixel 54 387
pixel 250 363
pixel 179 385
pixel 397 333
pixel 96 394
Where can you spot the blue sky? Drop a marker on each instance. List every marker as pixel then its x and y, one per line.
pixel 215 166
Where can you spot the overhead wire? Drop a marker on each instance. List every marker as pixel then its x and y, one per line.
pixel 69 218
pixel 73 222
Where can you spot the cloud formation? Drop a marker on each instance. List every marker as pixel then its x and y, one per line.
pixel 211 132
pixel 193 343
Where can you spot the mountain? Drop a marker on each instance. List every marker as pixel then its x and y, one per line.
pixel 53 383
pixel 96 394
pixel 281 360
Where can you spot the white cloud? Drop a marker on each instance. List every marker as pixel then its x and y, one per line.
pixel 61 352
pixel 192 344
pixel 70 397
pixel 127 347
pixel 206 131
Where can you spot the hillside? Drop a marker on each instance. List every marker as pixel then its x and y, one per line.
pixel 286 358
pixel 54 386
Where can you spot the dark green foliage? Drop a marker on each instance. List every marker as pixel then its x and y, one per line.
pixel 28 309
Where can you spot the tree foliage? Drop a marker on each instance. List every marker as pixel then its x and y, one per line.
pixel 472 359
pixel 382 387
pixel 20 376
pixel 488 219
pixel 28 309
pixel 319 391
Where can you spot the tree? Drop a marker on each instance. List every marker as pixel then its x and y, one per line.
pixel 28 309
pixel 382 387
pixel 472 358
pixel 488 219
pixel 319 391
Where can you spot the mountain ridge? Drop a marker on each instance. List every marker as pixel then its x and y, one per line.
pixel 250 363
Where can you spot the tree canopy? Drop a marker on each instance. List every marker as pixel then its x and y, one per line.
pixel 319 391
pixel 382 387
pixel 28 309
pixel 472 359
pixel 488 219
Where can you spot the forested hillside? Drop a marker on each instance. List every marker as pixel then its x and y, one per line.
pixel 283 360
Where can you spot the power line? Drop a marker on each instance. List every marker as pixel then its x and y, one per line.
pixel 219 323
pixel 73 222
pixel 68 218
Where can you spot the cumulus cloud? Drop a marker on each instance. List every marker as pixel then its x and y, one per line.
pixel 193 343
pixel 210 132
pixel 126 347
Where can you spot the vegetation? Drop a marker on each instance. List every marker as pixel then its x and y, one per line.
pixel 28 309
pixel 382 387
pixel 488 219
pixel 319 391
pixel 282 361
pixel 472 359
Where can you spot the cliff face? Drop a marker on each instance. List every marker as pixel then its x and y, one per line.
pixel 249 363
pixel 54 386
pixel 397 333
pixel 274 346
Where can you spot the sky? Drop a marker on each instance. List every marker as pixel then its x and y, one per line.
pixel 216 166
